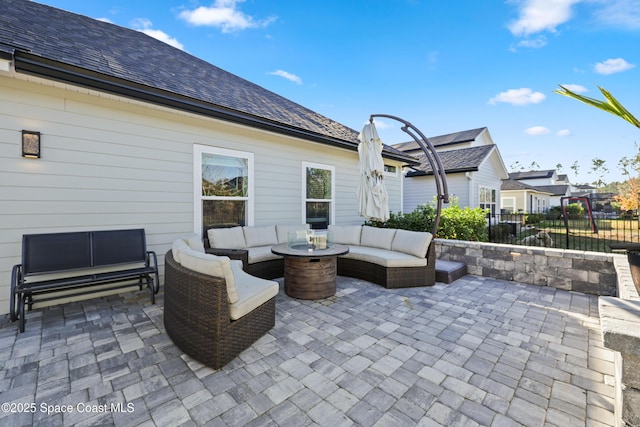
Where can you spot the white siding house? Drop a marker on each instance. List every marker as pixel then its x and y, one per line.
pixel 473 165
pixel 122 145
pixel 534 191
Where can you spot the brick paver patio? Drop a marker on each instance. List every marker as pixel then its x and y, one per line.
pixel 477 352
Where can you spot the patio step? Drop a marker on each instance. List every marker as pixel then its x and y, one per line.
pixel 449 271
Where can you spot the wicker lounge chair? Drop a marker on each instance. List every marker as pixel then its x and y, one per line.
pixel 197 317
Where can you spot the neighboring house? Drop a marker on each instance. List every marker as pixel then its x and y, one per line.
pixel 534 191
pixel 135 133
pixel 473 165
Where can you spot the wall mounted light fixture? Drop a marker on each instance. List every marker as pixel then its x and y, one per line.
pixel 30 144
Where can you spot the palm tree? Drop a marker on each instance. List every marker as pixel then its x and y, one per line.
pixel 611 105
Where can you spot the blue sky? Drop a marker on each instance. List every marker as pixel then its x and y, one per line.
pixel 445 66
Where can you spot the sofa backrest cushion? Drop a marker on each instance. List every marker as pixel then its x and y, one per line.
pixel 195 242
pixel 412 242
pixel 346 234
pixel 283 231
pixel 260 236
pixel 377 237
pixel 226 238
pixel 178 246
pixel 212 265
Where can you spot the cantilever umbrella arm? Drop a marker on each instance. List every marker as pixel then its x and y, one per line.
pixel 434 161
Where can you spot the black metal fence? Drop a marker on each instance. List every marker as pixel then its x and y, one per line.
pixel 586 233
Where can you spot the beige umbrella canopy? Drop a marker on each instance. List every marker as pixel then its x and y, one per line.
pixel 373 200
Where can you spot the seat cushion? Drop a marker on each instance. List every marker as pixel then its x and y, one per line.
pixel 384 257
pixel 212 265
pixel 252 292
pixel 261 253
pixel 260 236
pixel 283 231
pixel 377 237
pixel 226 238
pixel 346 234
pixel 412 242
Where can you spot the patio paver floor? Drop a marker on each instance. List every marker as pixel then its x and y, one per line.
pixel 479 351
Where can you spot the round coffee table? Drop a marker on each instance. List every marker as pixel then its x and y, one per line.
pixel 310 274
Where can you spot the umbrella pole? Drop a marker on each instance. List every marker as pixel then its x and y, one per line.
pixel 434 161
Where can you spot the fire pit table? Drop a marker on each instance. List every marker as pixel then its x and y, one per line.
pixel 309 273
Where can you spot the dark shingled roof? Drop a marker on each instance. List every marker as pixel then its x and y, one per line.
pixel 510 184
pixel 532 174
pixel 461 160
pixel 443 140
pixel 60 45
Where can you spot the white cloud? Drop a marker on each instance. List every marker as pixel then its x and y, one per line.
pixel 225 15
pixel 535 43
pixel 620 14
pixel 107 20
pixel 563 132
pixel 611 66
pixel 522 96
pixel 287 75
pixel 541 15
pixel 536 130
pixel 576 88
pixel 144 25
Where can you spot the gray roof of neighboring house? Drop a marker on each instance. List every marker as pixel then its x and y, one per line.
pixel 461 160
pixel 531 174
pixel 443 140
pixel 60 45
pixel 556 190
pixel 512 185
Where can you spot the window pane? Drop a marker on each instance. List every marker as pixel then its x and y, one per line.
pixel 223 213
pixel 318 215
pixel 318 183
pixel 224 176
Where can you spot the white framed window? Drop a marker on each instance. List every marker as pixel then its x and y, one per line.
pixel 390 170
pixel 223 188
pixel 318 194
pixel 508 204
pixel 487 199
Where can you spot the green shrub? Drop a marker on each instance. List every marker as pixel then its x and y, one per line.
pixel 455 222
pixel 575 211
pixel 535 218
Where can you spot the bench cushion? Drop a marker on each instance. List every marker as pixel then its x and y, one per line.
pixel 195 242
pixel 411 242
pixel 261 253
pixel 283 231
pixel 217 266
pixel 252 291
pixel 384 257
pixel 226 238
pixel 179 246
pixel 346 234
pixel 260 236
pixel 374 237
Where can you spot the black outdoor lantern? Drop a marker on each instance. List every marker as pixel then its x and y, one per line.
pixel 30 144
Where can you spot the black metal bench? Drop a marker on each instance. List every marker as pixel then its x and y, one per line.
pixel 77 256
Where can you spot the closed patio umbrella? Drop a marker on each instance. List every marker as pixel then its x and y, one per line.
pixel 373 200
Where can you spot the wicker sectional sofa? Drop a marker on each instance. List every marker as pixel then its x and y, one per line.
pixel 388 257
pixel 213 309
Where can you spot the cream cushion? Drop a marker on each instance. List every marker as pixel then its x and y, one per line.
pixel 195 242
pixel 260 236
pixel 377 237
pixel 346 234
pixel 226 238
pixel 283 231
pixel 412 242
pixel 217 266
pixel 252 292
pixel 179 246
pixel 261 253
pixel 384 257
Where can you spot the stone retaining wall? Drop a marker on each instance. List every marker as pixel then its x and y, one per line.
pixel 580 271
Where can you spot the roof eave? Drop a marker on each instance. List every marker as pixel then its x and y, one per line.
pixel 42 67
